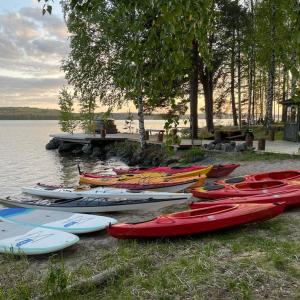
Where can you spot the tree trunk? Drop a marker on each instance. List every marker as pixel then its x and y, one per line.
pixel 239 80
pixel 141 122
pixel 232 85
pixel 250 75
pixel 194 91
pixel 250 65
pixel 270 95
pixel 294 78
pixel 283 97
pixel 271 77
pixel 208 97
pixel 206 78
pixel 253 91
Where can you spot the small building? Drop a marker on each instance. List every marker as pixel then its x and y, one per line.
pixel 291 119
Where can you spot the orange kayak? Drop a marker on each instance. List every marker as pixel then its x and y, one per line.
pixel 165 183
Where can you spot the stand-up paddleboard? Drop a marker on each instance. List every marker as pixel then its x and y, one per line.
pixel 74 223
pixel 20 239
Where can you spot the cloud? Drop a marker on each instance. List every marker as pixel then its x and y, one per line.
pixel 32 47
pixel 51 24
pixel 51 47
pixel 33 91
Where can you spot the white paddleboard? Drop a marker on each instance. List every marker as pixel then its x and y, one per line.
pixel 65 221
pixel 99 192
pixel 20 239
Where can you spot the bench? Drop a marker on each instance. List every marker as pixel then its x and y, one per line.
pixel 160 134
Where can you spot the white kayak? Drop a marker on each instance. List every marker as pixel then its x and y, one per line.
pixel 59 220
pixel 28 240
pixel 100 192
pixel 95 205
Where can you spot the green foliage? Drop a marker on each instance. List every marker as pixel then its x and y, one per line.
pixel 193 155
pixel 141 48
pixel 172 121
pixel 57 278
pixel 66 118
pixel 87 112
pixel 105 115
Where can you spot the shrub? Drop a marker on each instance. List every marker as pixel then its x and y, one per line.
pixel 193 155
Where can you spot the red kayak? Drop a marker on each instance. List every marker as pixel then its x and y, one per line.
pixel 197 221
pixel 245 189
pixel 216 172
pixel 276 175
pixel 291 199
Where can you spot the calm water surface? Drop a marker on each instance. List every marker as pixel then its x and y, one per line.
pixel 24 160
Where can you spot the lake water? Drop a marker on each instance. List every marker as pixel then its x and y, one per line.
pixel 24 160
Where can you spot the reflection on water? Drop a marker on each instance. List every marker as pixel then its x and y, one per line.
pixel 24 160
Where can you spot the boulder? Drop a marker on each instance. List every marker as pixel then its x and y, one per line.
pixel 171 161
pixel 96 152
pixel 211 146
pixel 227 147
pixel 241 147
pixel 65 147
pixel 53 144
pixel 87 149
pixel 218 146
pixel 233 143
pixel 77 151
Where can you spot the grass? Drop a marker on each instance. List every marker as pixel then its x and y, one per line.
pixel 251 262
pixel 252 156
pixel 234 264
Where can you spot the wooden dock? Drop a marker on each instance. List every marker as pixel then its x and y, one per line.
pixel 81 138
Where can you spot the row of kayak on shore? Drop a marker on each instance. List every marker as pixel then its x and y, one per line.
pixel 225 203
pixel 151 190
pixel 33 231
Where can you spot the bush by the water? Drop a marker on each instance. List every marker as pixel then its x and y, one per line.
pixel 193 155
pixel 131 153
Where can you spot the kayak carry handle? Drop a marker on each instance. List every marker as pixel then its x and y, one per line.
pixel 79 170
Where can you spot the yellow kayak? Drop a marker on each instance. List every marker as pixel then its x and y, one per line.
pixel 151 174
pixel 127 182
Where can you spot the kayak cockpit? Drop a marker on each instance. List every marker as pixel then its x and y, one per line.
pixel 281 175
pixel 204 212
pixel 259 185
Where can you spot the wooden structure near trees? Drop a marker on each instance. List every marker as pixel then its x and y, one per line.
pixel 291 117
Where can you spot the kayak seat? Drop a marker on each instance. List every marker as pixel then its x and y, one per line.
pixel 140 222
pixel 235 180
pixel 213 187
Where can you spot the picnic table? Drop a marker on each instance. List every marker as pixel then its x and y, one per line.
pixel 160 134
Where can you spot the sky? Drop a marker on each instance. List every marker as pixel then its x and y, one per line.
pixel 32 47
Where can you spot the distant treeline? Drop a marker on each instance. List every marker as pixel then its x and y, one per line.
pixel 30 113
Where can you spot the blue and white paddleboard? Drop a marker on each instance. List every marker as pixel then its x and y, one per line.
pixel 28 240
pixel 69 222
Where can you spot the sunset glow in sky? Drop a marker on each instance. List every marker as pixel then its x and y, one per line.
pixel 31 49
